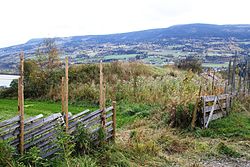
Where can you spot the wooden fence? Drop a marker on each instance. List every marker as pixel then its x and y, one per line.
pixel 214 107
pixel 43 132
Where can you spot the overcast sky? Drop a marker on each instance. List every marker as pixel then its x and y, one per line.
pixel 21 20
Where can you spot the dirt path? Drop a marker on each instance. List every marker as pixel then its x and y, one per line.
pixel 229 162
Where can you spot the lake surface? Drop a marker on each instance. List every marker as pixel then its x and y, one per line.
pixel 5 80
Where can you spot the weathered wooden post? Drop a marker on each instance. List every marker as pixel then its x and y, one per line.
pixel 248 76
pixel 102 97
pixel 114 120
pixel 63 94
pixel 66 93
pixel 196 108
pixel 229 73
pixel 21 103
pixel 244 78
pixel 213 82
pixel 233 76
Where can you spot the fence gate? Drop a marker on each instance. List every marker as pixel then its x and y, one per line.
pixel 214 107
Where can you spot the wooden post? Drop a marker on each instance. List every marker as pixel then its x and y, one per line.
pixel 21 103
pixel 104 104
pixel 239 84
pixel 213 83
pixel 195 109
pixel 233 76
pixel 244 79
pixel 101 87
pixel 66 93
pixel 248 76
pixel 225 88
pixel 63 94
pixel 102 97
pixel 229 72
pixel 114 120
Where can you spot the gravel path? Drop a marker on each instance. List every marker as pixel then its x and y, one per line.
pixel 228 162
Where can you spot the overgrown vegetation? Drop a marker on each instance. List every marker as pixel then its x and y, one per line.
pixel 190 63
pixel 154 111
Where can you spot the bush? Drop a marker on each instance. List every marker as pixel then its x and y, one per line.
pixel 83 142
pixel 190 63
pixel 181 116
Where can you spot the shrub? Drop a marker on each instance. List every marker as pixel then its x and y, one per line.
pixel 33 158
pixel 181 116
pixel 83 141
pixel 190 63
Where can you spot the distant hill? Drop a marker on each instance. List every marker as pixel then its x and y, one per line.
pixel 188 31
pixel 177 31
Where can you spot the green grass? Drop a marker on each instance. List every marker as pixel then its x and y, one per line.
pixel 126 113
pixel 236 125
pixel 8 108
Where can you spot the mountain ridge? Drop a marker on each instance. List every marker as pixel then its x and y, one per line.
pixel 176 34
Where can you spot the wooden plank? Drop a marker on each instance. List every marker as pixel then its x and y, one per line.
pixel 109 109
pixel 15 144
pixel 14 130
pixel 82 122
pixel 32 119
pixel 45 137
pixel 38 133
pixel 211 113
pixel 216 116
pixel 108 123
pixel 109 115
pixel 211 98
pixel 9 121
pixel 92 123
pixel 40 128
pixel 216 107
pixel 10 134
pixel 49 147
pixel 10 128
pixel 50 153
pixel 43 121
pixel 46 142
pixel 78 115
pixel 93 114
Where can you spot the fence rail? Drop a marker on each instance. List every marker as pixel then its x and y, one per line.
pixel 42 132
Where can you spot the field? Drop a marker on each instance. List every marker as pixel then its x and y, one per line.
pixel 214 65
pixel 144 139
pixel 120 57
pixel 8 109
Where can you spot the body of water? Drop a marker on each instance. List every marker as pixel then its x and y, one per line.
pixel 5 80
